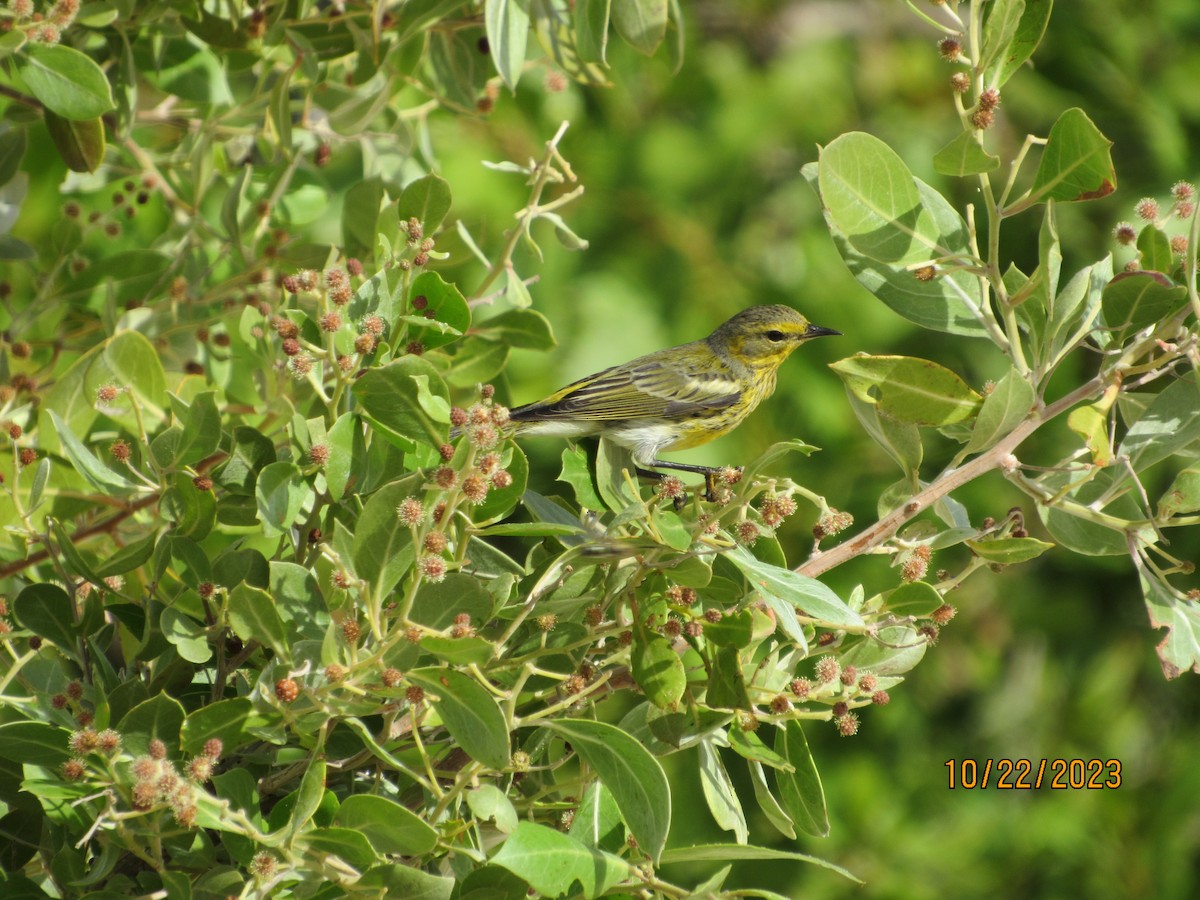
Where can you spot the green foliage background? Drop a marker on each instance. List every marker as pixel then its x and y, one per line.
pixel 694 209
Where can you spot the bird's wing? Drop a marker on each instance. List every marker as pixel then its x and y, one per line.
pixel 649 387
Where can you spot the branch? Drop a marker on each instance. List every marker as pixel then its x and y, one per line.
pixel 886 527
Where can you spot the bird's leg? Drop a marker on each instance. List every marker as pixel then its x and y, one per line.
pixel 709 472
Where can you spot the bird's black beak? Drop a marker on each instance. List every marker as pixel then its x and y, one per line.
pixel 817 331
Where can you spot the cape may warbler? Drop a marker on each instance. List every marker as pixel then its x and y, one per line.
pixel 679 397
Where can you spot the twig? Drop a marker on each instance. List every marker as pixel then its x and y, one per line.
pixel 886 527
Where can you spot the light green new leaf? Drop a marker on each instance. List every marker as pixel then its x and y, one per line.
pixel 910 390
pixel 1183 496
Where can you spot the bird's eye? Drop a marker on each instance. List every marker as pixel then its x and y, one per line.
pixel 775 336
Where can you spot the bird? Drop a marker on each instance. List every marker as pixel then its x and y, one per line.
pixel 676 398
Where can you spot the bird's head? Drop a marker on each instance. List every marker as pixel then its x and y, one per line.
pixel 764 336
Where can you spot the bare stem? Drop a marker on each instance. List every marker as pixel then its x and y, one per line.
pixel 886 527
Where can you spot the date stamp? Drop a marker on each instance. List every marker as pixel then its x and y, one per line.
pixel 1027 775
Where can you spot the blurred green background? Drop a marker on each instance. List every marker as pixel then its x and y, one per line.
pixel 695 209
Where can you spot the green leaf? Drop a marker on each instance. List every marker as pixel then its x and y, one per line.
pixel 233 722
pixel 390 827
pixel 507 23
pixel 1136 300
pixel 907 389
pixel 578 474
pixel 812 596
pixel 749 745
pixel 741 852
pixel 159 718
pixel 720 795
pixel 66 81
pixel 1170 424
pixel 657 669
pixel 1007 551
pixel 253 617
pixel 186 635
pixel 309 795
pixel 382 548
pixel 249 454
pixel 463 651
pixel 476 361
pixel 1075 164
pixel 34 742
pixel 402 880
pixel 883 220
pixel 470 713
pixel 901 440
pixel 98 475
pixel 555 31
pixel 914 598
pixel 427 199
pixel 1183 496
pixel 1028 35
pixel 389 400
pixel 282 495
pixel 999 30
pixel 47 611
pixel 591 29
pixel 129 557
pixel 525 329
pixel 1154 247
pixel 800 791
pixel 360 216
pixel 636 779
pixel 12 152
pixel 346 453
pixel 731 631
pixel 80 142
pixel 1009 403
pixel 552 862
pixel 201 430
pixel 341 843
pixel 767 802
pixel 489 802
pixel 1179 649
pixel 965 156
pixel 642 23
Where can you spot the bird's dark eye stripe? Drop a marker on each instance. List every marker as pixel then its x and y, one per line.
pixel 774 335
